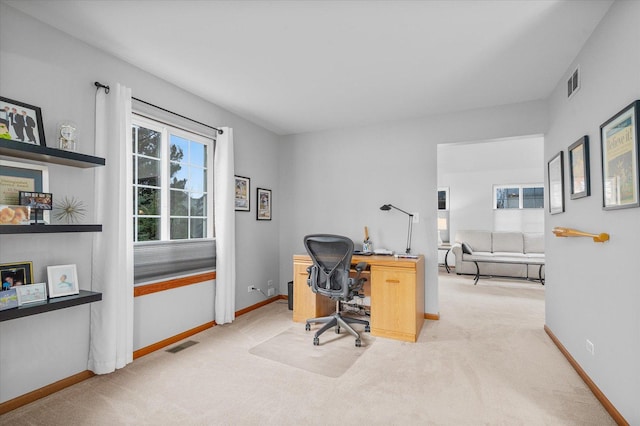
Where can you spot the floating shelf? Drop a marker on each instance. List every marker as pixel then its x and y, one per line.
pixel 50 305
pixel 47 229
pixel 50 155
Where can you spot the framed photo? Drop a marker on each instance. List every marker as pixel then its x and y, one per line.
pixel 243 189
pixel 14 215
pixel 8 299
pixel 16 274
pixel 31 293
pixel 62 280
pixel 443 198
pixel 619 143
pixel 579 174
pixel 36 200
pixel 21 122
pixel 264 204
pixel 555 168
pixel 16 177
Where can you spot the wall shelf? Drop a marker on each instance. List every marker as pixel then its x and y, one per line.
pixel 50 305
pixel 47 229
pixel 49 155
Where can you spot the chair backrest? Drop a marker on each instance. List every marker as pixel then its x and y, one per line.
pixel 331 256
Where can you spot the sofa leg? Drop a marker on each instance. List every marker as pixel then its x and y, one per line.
pixel 477 273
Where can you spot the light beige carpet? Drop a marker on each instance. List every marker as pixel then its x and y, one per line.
pixel 487 361
pixel 332 358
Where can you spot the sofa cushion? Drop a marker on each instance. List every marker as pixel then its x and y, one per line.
pixel 507 242
pixel 533 243
pixel 477 240
pixel 466 248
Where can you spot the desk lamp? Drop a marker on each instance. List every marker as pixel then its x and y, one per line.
pixel 387 207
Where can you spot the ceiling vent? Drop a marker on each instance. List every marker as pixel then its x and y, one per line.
pixel 573 83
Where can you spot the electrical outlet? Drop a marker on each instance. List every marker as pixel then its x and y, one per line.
pixel 250 289
pixel 271 291
pixel 416 217
pixel 270 283
pixel 590 347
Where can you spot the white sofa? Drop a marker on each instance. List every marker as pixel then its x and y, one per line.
pixel 487 244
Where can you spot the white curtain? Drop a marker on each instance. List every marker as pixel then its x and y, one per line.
pixel 111 343
pixel 225 226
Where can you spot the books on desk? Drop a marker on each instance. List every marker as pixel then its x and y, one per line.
pixel 406 256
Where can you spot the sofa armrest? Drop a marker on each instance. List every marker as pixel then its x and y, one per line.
pixel 456 249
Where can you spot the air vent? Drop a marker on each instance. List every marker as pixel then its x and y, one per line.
pixel 573 83
pixel 182 346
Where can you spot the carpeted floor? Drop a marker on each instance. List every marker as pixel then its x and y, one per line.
pixel 487 361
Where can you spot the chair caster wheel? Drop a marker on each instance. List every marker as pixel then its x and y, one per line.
pixel 358 343
pixel 367 329
pixel 316 341
pixel 307 327
pixel 337 330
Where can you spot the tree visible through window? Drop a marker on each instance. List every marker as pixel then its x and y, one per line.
pixel 172 173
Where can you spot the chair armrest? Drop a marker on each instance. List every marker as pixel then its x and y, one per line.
pixel 361 266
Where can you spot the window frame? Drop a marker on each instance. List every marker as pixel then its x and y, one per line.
pixel 166 130
pixel 520 187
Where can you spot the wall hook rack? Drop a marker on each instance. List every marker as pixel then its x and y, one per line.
pixel 568 232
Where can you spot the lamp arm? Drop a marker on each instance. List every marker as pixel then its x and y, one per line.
pixel 391 205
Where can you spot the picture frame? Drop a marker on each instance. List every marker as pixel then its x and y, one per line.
pixel 16 176
pixel 555 169
pixel 242 191
pixel 14 215
pixel 619 138
pixel 443 198
pixel 579 170
pixel 31 293
pixel 36 200
pixel 263 211
pixel 20 122
pixel 8 299
pixel 16 274
pixel 62 280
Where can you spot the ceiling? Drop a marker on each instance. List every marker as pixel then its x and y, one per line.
pixel 303 66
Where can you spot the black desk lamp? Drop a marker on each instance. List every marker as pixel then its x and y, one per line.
pixel 391 206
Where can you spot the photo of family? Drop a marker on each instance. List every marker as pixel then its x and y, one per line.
pixel 21 122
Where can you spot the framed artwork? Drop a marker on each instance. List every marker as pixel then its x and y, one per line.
pixel 243 189
pixel 264 204
pixel 619 144
pixel 579 174
pixel 62 280
pixel 16 177
pixel 443 198
pixel 21 122
pixel 14 215
pixel 555 168
pixel 8 299
pixel 31 293
pixel 16 274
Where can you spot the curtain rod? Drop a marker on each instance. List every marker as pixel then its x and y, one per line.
pixel 106 90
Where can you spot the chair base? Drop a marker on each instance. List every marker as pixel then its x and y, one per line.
pixel 337 320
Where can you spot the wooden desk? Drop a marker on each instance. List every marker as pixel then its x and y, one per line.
pixel 397 295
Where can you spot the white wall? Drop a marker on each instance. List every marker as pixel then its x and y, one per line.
pixel 470 170
pixel 336 181
pixel 42 66
pixel 592 290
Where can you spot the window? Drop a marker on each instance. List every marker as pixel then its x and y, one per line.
pixel 172 194
pixel 172 182
pixel 443 198
pixel 518 196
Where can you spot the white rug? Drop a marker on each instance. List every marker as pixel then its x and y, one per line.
pixel 332 358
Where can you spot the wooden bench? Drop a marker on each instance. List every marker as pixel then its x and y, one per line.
pixel 505 259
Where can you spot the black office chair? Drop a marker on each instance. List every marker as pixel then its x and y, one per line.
pixel 329 276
